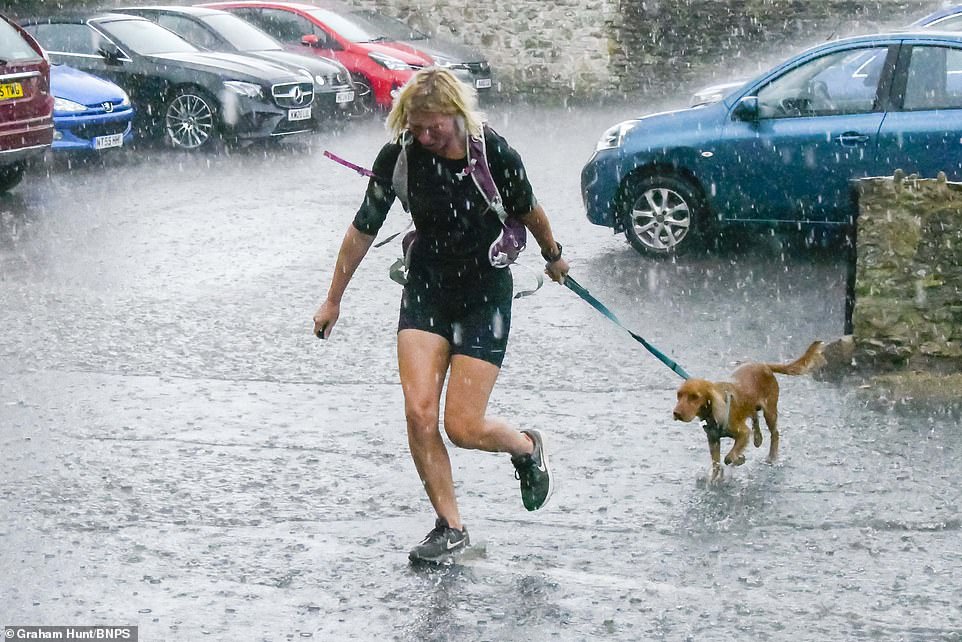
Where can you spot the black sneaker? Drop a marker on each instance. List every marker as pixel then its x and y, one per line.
pixel 441 544
pixel 534 473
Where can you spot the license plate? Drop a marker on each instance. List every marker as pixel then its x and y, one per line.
pixel 11 90
pixel 343 97
pixel 106 142
pixel 482 83
pixel 299 114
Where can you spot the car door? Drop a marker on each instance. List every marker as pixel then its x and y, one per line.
pixel 816 129
pixel 922 133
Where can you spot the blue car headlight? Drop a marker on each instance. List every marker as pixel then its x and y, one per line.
pixel 124 100
pixel 613 136
pixel 249 89
pixel 67 106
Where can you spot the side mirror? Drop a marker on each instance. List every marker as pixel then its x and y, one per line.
pixel 111 53
pixel 746 109
pixel 310 40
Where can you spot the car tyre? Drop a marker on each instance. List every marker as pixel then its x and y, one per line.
pixel 191 119
pixel 663 215
pixel 10 176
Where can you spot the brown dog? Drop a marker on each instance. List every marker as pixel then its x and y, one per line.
pixel 725 407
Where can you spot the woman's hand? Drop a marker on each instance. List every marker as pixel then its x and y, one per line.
pixel 557 270
pixel 325 318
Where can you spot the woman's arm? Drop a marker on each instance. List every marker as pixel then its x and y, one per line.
pixel 537 223
pixel 353 249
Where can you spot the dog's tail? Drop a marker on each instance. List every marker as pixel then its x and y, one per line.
pixel 811 360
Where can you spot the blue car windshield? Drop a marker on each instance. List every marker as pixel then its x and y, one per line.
pixel 241 34
pixel 353 30
pixel 146 38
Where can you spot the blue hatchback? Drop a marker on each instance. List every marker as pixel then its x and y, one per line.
pixel 784 148
pixel 89 113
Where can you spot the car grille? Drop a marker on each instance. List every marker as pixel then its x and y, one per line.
pixel 92 130
pixel 294 94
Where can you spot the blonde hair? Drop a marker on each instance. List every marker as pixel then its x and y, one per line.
pixel 438 91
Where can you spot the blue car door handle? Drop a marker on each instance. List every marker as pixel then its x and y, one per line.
pixel 850 139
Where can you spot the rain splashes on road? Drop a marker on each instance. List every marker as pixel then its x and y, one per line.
pixel 180 453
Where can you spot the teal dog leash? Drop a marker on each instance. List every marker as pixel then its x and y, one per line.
pixel 578 289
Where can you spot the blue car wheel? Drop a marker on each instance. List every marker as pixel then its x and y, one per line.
pixel 663 215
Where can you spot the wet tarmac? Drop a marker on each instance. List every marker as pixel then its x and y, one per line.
pixel 181 454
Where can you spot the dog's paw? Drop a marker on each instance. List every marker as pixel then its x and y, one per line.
pixel 716 475
pixel 734 461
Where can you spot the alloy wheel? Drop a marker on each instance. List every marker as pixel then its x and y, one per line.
pixel 189 121
pixel 661 219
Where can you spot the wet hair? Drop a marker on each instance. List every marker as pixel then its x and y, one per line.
pixel 436 91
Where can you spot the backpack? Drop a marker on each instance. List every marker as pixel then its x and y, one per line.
pixel 510 242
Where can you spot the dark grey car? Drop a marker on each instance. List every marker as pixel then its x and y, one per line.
pixel 217 30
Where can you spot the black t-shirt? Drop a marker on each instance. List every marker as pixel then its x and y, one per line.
pixel 454 225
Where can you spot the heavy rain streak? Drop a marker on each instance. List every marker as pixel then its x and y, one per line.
pixel 181 453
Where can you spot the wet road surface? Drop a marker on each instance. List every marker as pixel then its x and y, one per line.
pixel 179 453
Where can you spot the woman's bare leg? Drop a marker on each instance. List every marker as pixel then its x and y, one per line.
pixel 423 360
pixel 465 404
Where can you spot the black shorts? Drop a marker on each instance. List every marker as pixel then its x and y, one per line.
pixel 474 319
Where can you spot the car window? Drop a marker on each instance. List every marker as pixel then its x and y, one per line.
pixel 934 79
pixel 348 28
pixel 843 82
pixel 146 38
pixel 241 34
pixel 68 38
pixel 283 25
pixel 12 45
pixel 188 30
pixel 388 26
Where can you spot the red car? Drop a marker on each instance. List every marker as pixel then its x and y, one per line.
pixel 26 106
pixel 378 68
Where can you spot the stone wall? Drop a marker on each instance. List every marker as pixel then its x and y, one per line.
pixel 908 288
pixel 666 46
pixel 620 48
pixel 550 47
pixel 607 49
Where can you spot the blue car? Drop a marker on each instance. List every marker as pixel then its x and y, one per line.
pixel 89 113
pixel 784 148
pixel 945 19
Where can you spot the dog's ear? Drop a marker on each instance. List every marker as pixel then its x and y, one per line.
pixel 718 405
